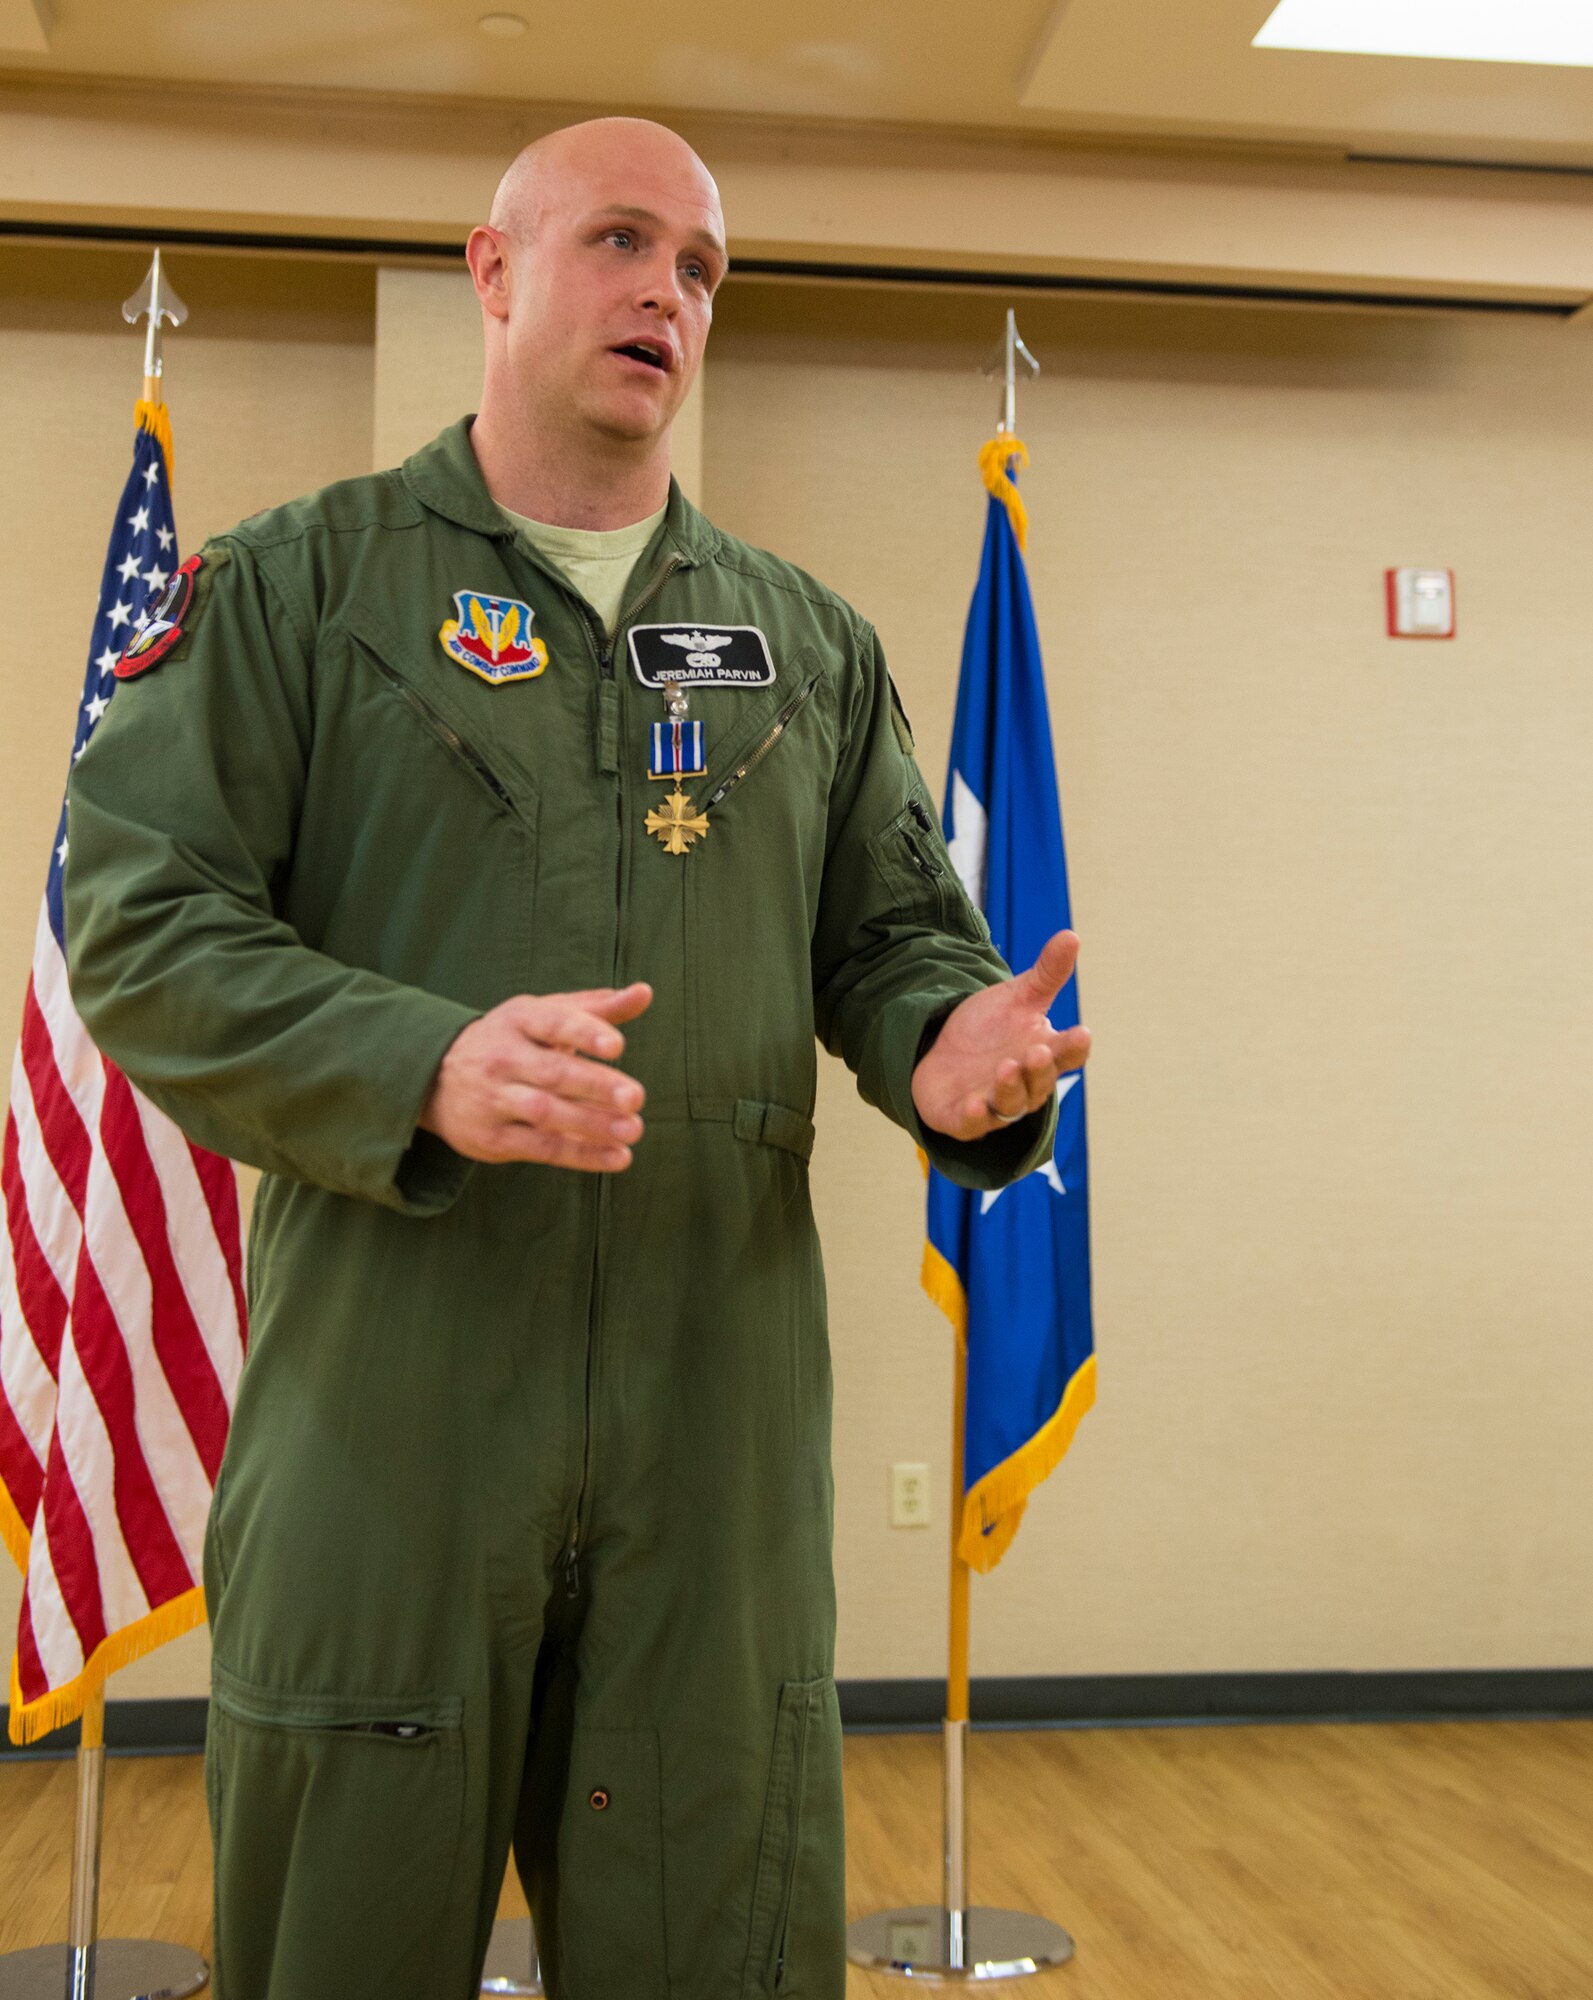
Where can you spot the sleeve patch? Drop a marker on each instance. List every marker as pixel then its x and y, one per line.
pixel 164 623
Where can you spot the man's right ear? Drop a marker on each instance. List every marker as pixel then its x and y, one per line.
pixel 487 255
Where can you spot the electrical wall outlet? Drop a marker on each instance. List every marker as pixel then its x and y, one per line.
pixel 909 1496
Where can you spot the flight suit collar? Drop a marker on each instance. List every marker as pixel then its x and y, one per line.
pixel 445 477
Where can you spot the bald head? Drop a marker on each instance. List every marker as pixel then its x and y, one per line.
pixel 584 159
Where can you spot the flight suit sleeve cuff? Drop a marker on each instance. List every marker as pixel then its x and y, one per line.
pixel 430 1176
pixel 1002 1156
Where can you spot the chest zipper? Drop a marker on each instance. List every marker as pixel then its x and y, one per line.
pixel 604 648
pixel 445 733
pixel 755 757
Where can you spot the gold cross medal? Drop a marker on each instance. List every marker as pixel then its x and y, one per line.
pixel 677 826
pixel 675 751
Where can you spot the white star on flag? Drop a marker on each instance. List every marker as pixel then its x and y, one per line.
pixel 1048 1171
pixel 150 473
pixel 106 661
pixel 968 843
pixel 140 521
pixel 119 613
pixel 127 568
pixel 165 537
pixel 156 577
pixel 60 852
pixel 96 708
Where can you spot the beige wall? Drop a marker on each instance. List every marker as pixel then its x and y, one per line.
pixel 1334 893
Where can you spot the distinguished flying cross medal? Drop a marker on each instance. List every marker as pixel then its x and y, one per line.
pixel 492 637
pixel 676 752
pixel 677 826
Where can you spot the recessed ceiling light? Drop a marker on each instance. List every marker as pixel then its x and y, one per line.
pixel 1525 31
pixel 502 27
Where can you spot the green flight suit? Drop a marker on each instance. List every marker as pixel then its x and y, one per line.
pixel 523 1530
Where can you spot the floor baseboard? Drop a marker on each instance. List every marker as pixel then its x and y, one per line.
pixel 176 1725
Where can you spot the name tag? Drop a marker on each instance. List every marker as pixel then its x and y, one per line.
pixel 701 656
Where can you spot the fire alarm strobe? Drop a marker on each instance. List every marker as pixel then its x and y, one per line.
pixel 1421 603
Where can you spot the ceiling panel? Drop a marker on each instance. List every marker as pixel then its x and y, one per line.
pixel 1157 66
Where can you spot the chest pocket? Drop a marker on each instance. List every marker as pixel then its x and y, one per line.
pixel 417 852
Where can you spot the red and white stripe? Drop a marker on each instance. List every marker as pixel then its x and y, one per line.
pixel 122 1334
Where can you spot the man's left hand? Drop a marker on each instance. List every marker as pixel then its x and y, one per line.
pixel 997 1056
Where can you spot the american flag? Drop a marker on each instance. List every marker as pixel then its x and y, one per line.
pixel 122 1323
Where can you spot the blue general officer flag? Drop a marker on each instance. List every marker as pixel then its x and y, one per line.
pixel 1011 1269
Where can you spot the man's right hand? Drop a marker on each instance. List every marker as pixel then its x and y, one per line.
pixel 522 1083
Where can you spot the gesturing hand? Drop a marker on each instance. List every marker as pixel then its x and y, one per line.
pixel 997 1053
pixel 519 1084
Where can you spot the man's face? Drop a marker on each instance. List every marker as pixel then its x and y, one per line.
pixel 611 285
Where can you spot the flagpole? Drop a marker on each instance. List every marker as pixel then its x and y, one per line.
pixel 955 1727
pixel 82 1935
pixel 116 1968
pixel 959 1941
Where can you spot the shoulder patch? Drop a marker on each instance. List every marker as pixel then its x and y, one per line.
pixel 164 621
pixel 701 656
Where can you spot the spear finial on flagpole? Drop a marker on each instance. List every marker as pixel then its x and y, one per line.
pixel 1004 362
pixel 156 299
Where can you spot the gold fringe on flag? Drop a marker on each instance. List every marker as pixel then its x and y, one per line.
pixel 13 1530
pixel 993 1506
pixel 28 1722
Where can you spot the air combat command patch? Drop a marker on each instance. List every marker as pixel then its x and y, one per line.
pixel 161 624
pixel 492 637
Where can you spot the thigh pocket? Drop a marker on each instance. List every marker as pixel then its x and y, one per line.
pixel 336 1824
pixel 798 1941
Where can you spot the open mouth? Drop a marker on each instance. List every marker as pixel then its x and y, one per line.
pixel 641 350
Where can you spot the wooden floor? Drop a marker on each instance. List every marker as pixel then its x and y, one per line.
pixel 1381 1862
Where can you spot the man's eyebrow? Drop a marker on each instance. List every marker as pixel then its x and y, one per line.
pixel 627 213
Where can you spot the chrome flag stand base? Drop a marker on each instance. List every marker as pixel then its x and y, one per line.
pixel 940 1946
pixel 946 1943
pixel 115 1968
pixel 512 1965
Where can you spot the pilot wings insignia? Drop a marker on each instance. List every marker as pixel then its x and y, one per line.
pixel 700 646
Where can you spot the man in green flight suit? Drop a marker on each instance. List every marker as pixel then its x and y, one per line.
pixel 414 799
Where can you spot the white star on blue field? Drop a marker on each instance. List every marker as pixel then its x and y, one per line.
pixel 1049 1171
